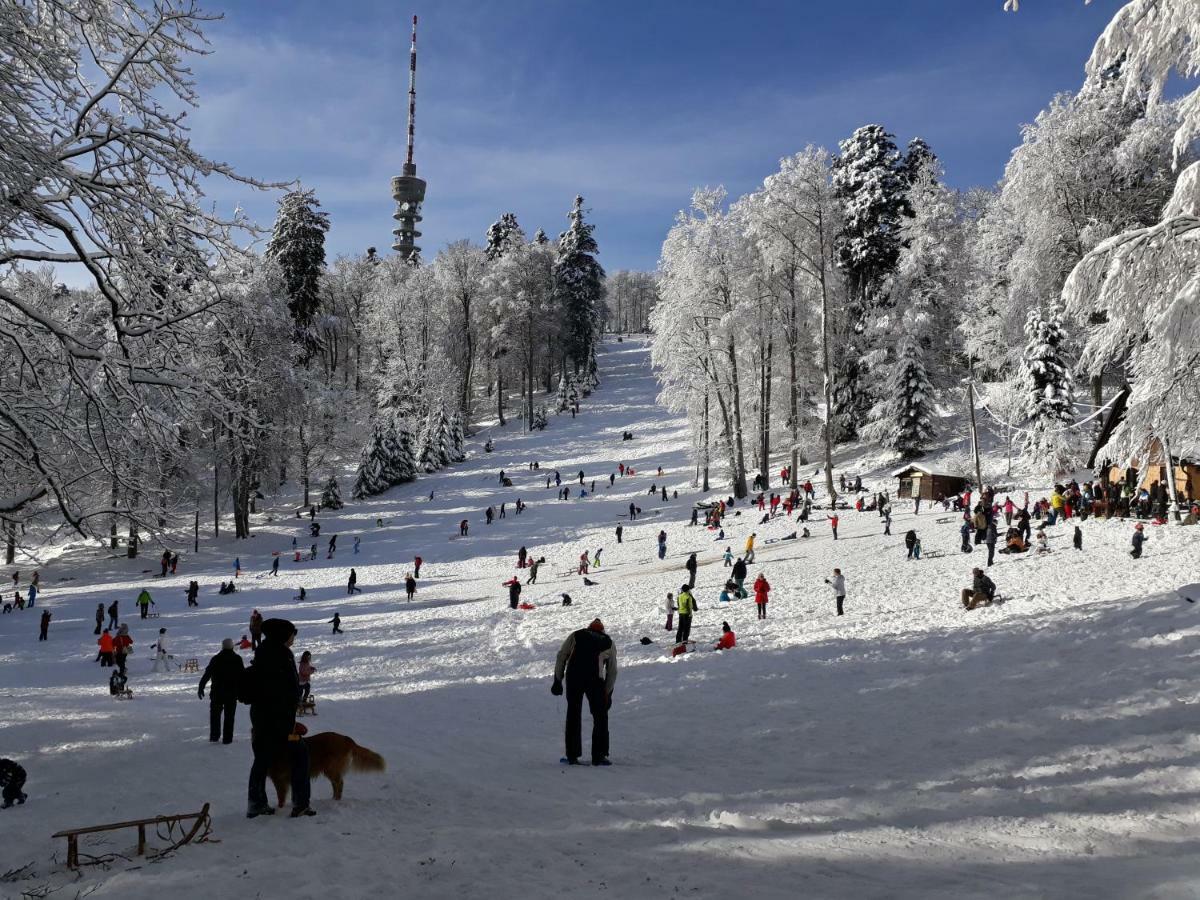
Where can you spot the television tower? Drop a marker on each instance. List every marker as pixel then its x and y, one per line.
pixel 408 190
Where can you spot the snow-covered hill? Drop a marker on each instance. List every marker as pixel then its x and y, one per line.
pixel 1042 748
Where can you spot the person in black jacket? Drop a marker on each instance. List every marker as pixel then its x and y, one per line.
pixel 273 687
pixel 739 577
pixel 225 672
pixel 582 657
pixel 12 779
pixel 690 565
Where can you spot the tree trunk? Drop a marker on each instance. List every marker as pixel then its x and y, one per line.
pixel 793 396
pixel 216 487
pixel 305 451
pixel 704 483
pixel 115 497
pixel 765 449
pixel 131 551
pixel 739 473
pixel 499 392
pixel 828 394
pixel 10 542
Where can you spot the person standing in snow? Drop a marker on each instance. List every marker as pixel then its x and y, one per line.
pixel 587 661
pixel 910 541
pixel 965 531
pixel 838 585
pixel 1139 538
pixel 122 644
pixel 670 611
pixel 357 541
pixel 662 545
pixel 748 554
pixel 113 610
pixel 833 524
pixel 106 644
pixel 632 512
pixel 193 591
pixel 256 621
pixel 305 670
pixel 514 592
pixel 352 583
pixel 417 566
pixel 462 528
pixel 533 570
pixel 100 618
pixel 522 555
pixel 274 733
pixel 410 586
pixel 1077 538
pixel 581 477
pixel 762 590
pixel 224 671
pixel 690 565
pixel 489 514
pixel 739 577
pixel 275 566
pixel 44 625
pixel 685 605
pixel 161 656
pixel 332 546
pixel 728 557
pixel 990 536
pixel 144 602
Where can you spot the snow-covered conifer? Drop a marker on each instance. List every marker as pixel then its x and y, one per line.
pixel 579 285
pixel 401 466
pixel 331 496
pixel 297 245
pixel 904 418
pixel 372 475
pixel 1046 376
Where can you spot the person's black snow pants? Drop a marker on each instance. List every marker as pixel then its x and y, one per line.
pixel 215 708
pixel 840 600
pixel 598 705
pixel 685 628
pixel 991 553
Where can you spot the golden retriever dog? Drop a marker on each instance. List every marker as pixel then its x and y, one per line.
pixel 329 754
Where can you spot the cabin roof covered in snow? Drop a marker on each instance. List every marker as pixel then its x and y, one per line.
pixel 912 467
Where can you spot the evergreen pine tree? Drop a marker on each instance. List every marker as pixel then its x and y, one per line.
pixel 458 438
pixel 297 246
pixel 578 285
pixel 371 477
pixel 562 403
pixel 442 447
pixel 1050 390
pixel 503 235
pixel 539 237
pixel 331 497
pixel 428 456
pixel 904 420
pixel 869 181
pixel 401 467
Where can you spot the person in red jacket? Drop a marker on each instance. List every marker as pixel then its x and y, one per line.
pixel 728 639
pixel 833 523
pixel 417 565
pixel 761 589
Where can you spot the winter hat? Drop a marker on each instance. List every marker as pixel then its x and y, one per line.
pixel 278 630
pixel 162 631
pixel 597 625
pixel 1138 526
pixel 227 644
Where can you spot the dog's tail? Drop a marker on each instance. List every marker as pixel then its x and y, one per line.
pixel 364 760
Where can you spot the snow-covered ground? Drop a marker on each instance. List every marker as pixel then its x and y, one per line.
pixel 1042 748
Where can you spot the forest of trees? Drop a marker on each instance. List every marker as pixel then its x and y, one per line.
pixel 192 376
pixel 854 296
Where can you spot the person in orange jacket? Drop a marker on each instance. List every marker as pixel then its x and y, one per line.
pixel 728 639
pixel 762 589
pixel 106 649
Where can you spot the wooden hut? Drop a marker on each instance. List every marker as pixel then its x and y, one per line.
pixel 917 481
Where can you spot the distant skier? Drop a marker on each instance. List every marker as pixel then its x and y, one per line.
pixel 587 660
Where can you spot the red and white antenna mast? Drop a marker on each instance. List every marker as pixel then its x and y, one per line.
pixel 412 100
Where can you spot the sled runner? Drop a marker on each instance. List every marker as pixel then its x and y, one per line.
pixel 175 831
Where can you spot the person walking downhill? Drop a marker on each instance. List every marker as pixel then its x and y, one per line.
pixel 838 585
pixel 336 622
pixel 352 583
pixel 762 590
pixel 690 565
pixel 1139 538
pixel 410 586
pixel 100 618
pixel 113 610
pixel 748 555
pixel 44 625
pixel 275 566
pixel 256 621
pixel 587 661
pixel 533 570
pixel 122 646
pixel 224 671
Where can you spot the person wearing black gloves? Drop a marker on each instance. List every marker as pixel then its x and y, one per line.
pixel 225 672
pixel 581 659
pixel 272 687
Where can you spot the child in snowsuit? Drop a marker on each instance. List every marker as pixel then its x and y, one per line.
pixel 728 639
pixel 410 586
pixel 670 610
pixel 1139 538
pixel 336 621
pixel 728 557
pixel 1077 539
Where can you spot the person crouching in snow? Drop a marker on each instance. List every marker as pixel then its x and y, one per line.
pixel 761 591
pixel 728 639
pixel 12 779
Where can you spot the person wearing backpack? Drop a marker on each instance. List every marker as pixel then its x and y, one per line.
pixel 224 671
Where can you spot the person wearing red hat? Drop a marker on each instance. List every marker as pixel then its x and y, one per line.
pixel 1139 538
pixel 583 656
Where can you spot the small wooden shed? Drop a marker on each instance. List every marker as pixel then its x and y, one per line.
pixel 917 481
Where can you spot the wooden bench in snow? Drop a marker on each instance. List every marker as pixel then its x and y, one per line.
pixel 176 832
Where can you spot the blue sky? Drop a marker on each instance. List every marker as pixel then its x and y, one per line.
pixel 523 104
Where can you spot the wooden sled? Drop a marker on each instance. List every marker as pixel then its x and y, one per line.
pixel 176 831
pixel 126 694
pixel 932 554
pixel 307 707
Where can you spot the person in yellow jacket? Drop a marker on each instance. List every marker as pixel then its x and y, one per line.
pixel 748 556
pixel 1056 506
pixel 685 605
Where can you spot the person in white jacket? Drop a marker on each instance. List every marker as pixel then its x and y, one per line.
pixel 838 584
pixel 161 656
pixel 670 610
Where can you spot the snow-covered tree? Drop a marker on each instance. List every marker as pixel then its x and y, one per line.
pixel 579 285
pixel 372 476
pixel 903 420
pixel 503 235
pixel 1049 391
pixel 331 496
pixel 297 246
pixel 562 401
pixel 400 463
pixel 458 440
